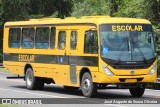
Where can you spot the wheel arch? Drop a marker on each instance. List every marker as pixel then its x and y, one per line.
pixel 82 71
pixel 26 67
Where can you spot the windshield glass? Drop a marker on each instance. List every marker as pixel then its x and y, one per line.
pixel 127 42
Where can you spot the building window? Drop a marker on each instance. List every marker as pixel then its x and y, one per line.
pixel 73 40
pixel 62 40
pixel 42 38
pixel 28 38
pixel 14 37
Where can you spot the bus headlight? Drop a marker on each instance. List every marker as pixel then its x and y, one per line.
pixel 153 70
pixel 107 71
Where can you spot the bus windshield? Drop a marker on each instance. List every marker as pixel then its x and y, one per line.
pixel 127 42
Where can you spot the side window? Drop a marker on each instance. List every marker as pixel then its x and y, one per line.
pixel 14 37
pixel 28 38
pixel 91 42
pixel 62 40
pixel 52 37
pixel 73 40
pixel 42 38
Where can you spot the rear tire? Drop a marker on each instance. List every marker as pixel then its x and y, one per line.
pixel 138 91
pixel 89 89
pixel 33 83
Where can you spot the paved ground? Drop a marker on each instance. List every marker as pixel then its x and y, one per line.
pixel 15 88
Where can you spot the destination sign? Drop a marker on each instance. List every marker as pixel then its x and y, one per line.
pixel 126 27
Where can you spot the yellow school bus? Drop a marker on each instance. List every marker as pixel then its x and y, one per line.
pixel 90 53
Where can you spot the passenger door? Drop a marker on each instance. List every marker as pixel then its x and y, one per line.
pixel 72 52
pixel 62 67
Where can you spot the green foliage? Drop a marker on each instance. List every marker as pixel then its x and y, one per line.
pixel 14 10
pixel 35 7
pixel 137 8
pixel 158 29
pixel 91 7
pixel 62 8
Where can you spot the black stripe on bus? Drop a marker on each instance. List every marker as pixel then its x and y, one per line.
pixel 52 59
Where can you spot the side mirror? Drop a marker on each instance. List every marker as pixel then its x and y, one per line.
pixel 156 37
pixel 149 37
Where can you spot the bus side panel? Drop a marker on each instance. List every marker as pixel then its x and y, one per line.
pixel 16 68
pixel 59 74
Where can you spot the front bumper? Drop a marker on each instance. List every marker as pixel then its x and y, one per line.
pixel 103 78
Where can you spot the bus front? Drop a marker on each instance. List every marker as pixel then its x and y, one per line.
pixel 127 56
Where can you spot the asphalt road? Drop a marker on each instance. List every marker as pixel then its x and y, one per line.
pixel 15 88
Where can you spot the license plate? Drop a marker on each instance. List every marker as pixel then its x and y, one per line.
pixel 131 80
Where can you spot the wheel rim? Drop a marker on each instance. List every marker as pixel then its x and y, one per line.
pixel 87 85
pixel 29 78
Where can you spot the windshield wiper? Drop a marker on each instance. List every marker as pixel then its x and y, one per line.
pixel 144 58
pixel 123 48
pixel 133 45
pixel 119 57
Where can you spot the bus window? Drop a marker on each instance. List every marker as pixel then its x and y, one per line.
pixel 91 42
pixel 14 37
pixel 73 40
pixel 28 38
pixel 52 37
pixel 42 38
pixel 62 40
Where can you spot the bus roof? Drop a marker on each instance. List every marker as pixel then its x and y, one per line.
pixel 85 19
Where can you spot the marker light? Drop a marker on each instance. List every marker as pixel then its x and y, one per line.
pixel 107 71
pixel 153 70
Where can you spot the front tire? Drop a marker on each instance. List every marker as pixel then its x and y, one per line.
pixel 89 89
pixel 32 82
pixel 138 91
